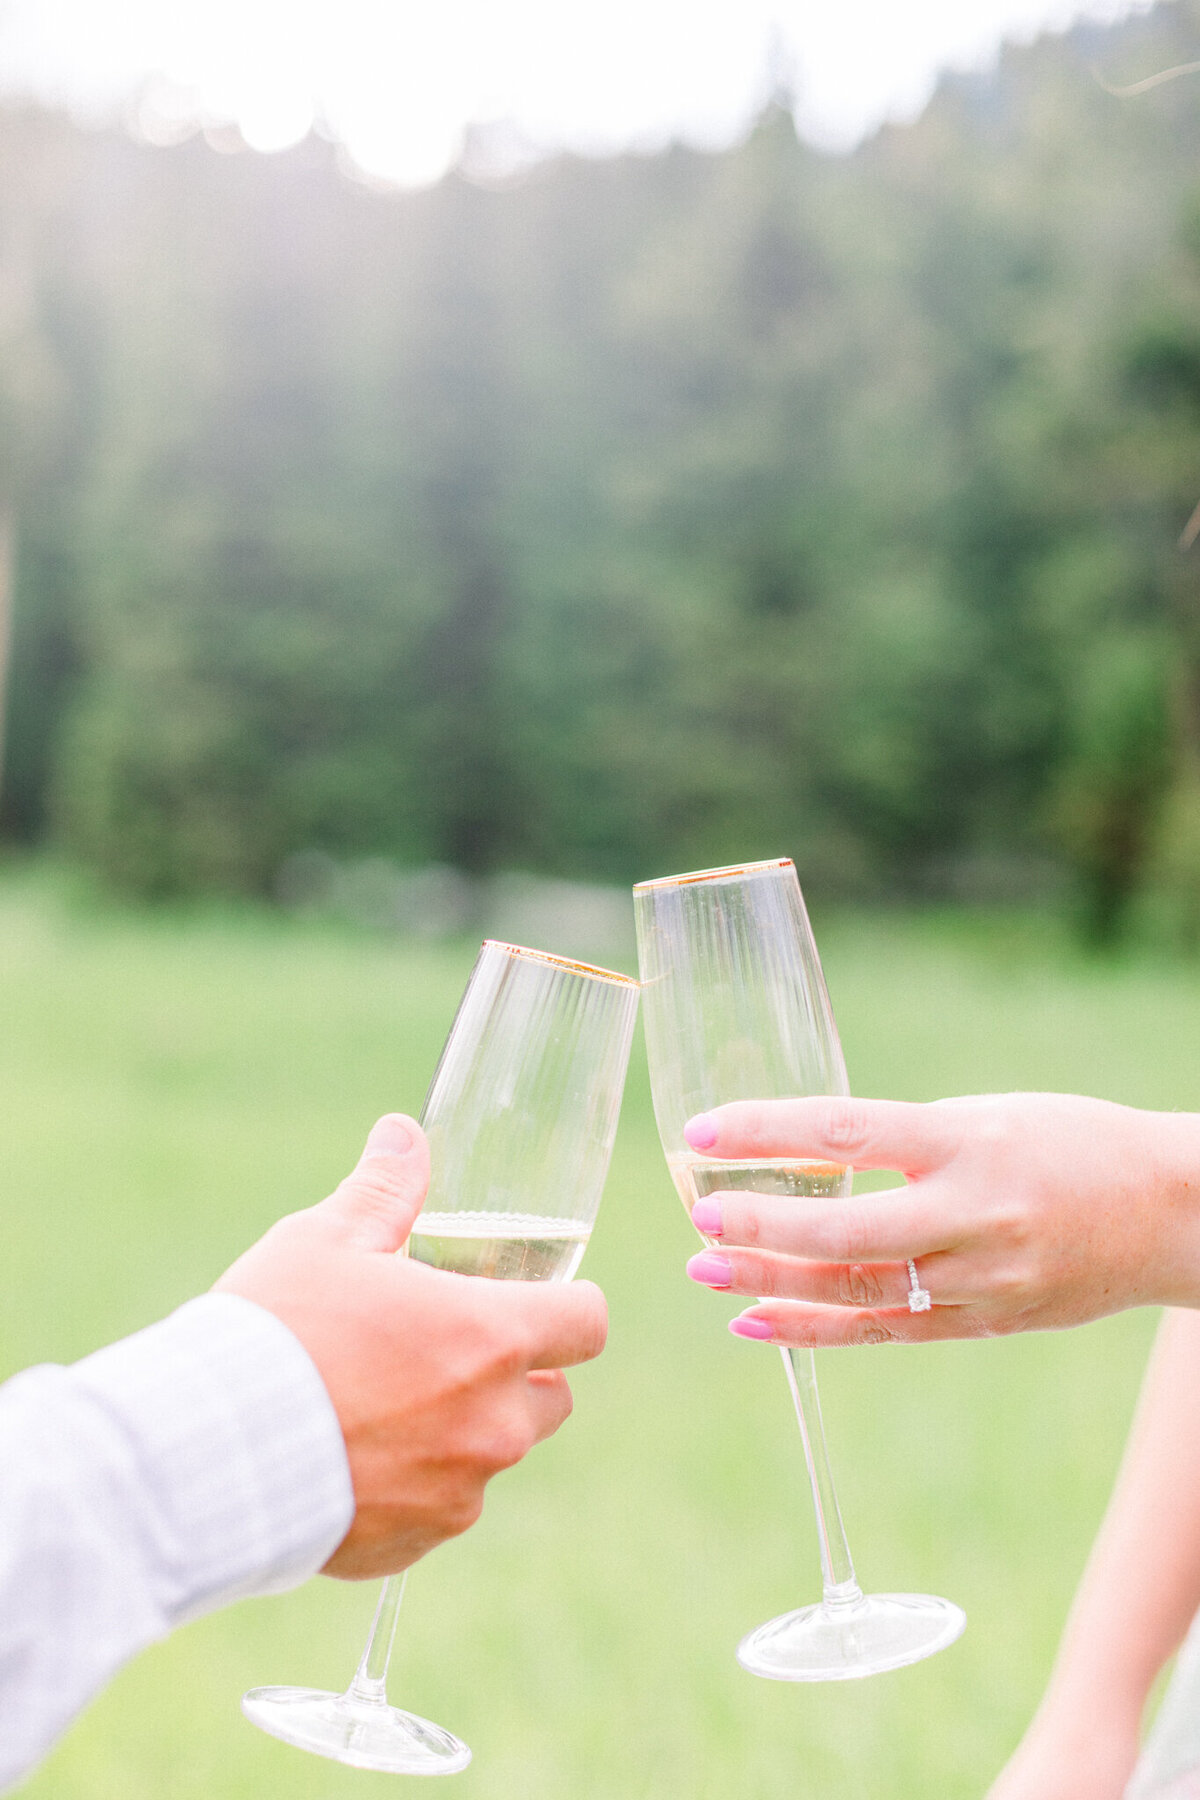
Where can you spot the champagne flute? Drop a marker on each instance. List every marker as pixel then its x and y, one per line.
pixel 520 1116
pixel 736 1008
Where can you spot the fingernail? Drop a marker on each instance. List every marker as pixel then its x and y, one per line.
pixel 758 1329
pixel 710 1268
pixel 706 1217
pixel 389 1138
pixel 701 1132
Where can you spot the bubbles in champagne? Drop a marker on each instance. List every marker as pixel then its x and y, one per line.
pixel 794 1180
pixel 504 1246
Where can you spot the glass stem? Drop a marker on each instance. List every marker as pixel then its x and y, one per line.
pixel 837 1570
pixel 370 1679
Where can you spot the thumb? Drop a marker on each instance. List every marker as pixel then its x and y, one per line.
pixel 377 1202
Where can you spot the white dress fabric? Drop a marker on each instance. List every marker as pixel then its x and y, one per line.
pixel 1169 1766
pixel 190 1465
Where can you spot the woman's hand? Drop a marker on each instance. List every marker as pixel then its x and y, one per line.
pixel 1022 1212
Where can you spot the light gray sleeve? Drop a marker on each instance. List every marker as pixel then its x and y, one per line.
pixel 190 1465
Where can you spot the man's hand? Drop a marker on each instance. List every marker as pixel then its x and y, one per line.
pixel 1022 1212
pixel 438 1380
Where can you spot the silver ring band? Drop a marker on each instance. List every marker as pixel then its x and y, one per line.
pixel 919 1298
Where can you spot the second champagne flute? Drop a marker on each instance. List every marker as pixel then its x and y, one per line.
pixel 735 1008
pixel 521 1116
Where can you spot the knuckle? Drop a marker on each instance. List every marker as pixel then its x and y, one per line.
pixel 872 1331
pixel 859 1284
pixel 499 1345
pixel 509 1440
pixel 845 1127
pixel 369 1191
pixel 288 1229
pixel 799 1330
pixel 455 1501
pixel 1012 1280
pixel 288 1222
pixel 1007 1221
pixel 759 1275
pixel 848 1232
pixel 464 1511
pixel 742 1223
pixel 994 1126
pixel 563 1401
pixel 747 1123
pixel 511 1345
pixel 984 1325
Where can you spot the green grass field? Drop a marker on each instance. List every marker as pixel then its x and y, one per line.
pixel 173 1083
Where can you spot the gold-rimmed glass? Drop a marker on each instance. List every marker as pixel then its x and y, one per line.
pixel 736 1008
pixel 521 1115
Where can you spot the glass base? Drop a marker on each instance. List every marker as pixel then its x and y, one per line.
pixel 366 1733
pixel 842 1640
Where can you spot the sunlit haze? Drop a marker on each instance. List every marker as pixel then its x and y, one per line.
pixel 398 81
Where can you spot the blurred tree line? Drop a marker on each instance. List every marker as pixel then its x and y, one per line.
pixel 632 515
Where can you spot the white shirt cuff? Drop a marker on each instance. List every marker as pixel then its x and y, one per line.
pixel 239 1446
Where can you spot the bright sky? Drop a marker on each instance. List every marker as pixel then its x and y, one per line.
pixel 397 81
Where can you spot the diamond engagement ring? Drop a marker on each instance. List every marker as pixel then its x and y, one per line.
pixel 919 1298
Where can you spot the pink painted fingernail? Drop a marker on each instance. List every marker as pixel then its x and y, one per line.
pixel 701 1132
pixel 710 1268
pixel 706 1217
pixel 758 1329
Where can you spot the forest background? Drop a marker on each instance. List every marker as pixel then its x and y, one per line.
pixel 624 515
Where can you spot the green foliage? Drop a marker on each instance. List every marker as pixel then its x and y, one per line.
pixel 1115 772
pixel 1172 889
pixel 625 516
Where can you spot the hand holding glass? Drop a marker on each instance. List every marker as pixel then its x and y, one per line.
pixel 521 1116
pixel 736 1008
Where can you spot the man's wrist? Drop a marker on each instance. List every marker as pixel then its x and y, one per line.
pixel 236 1445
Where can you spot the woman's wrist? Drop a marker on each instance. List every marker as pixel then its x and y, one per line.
pixel 1092 1760
pixel 1067 1733
pixel 1082 1699
pixel 1172 1177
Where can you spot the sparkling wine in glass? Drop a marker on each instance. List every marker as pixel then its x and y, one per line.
pixel 736 1008
pixel 521 1116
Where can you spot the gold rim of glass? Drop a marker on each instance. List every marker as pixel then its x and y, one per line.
pixel 561 962
pixel 754 868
